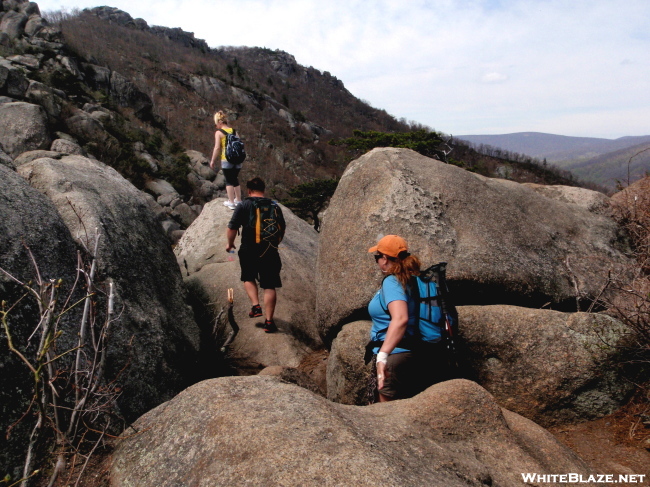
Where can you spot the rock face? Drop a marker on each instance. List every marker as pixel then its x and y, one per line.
pixel 592 201
pixel 549 366
pixel 23 127
pixel 157 335
pixel 347 373
pixel 26 218
pixel 505 243
pixel 208 274
pixel 261 431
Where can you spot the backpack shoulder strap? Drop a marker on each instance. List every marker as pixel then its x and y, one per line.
pixel 415 295
pixel 382 300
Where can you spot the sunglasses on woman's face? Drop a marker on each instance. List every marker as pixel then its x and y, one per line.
pixel 379 256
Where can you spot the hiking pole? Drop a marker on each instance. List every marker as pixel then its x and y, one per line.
pixel 231 320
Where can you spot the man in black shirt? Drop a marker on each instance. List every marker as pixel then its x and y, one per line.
pixel 263 228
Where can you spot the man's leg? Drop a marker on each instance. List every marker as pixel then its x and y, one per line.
pixel 251 290
pixel 270 298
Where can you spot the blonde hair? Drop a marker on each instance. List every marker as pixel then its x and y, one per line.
pixel 220 117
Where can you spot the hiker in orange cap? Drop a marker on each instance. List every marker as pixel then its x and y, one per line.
pixel 394 327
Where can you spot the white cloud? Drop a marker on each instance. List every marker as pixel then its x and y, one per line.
pixel 471 66
pixel 494 77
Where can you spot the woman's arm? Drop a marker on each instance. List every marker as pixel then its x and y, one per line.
pixel 216 153
pixel 399 317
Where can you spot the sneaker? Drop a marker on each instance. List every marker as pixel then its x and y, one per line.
pixel 255 311
pixel 237 201
pixel 269 326
pixel 227 203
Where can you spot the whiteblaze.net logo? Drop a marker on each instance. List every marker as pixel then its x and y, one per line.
pixel 576 478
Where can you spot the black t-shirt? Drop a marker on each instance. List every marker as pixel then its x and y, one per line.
pixel 242 218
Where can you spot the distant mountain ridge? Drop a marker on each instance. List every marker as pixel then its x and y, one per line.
pixel 556 148
pixel 607 162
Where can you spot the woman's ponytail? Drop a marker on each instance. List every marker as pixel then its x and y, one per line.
pixel 404 268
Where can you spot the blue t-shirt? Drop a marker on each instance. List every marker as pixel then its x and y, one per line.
pixel 391 290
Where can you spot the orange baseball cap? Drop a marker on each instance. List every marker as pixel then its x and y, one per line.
pixel 390 245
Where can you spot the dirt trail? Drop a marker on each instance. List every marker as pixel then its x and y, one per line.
pixel 616 444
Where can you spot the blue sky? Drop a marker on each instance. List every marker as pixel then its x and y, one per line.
pixel 567 67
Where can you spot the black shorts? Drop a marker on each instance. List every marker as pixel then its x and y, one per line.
pixel 261 264
pixel 231 176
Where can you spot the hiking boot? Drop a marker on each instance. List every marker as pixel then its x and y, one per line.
pixel 269 326
pixel 255 311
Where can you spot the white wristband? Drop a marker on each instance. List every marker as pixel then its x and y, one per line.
pixel 382 357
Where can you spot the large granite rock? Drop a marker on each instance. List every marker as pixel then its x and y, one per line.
pixel 28 220
pixel 505 243
pixel 208 272
pixel 156 340
pixel 260 431
pixel 549 366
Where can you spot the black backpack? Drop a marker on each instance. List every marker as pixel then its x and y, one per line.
pixel 264 221
pixel 235 153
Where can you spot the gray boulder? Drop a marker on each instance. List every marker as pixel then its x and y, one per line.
pixel 265 432
pixel 184 214
pixel 207 88
pixel 90 131
pixel 34 25
pixel 27 218
pixel 99 77
pixel 156 340
pixel 548 366
pixel 13 24
pixel 244 97
pixel 160 187
pixel 47 37
pixel 284 114
pixel 32 155
pixel 504 242
pixel 70 65
pixel 23 127
pixel 44 96
pixel 347 373
pixel 67 147
pixel 208 273
pixel 200 166
pixel 27 60
pixel 28 8
pixel 126 94
pixel 13 81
